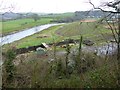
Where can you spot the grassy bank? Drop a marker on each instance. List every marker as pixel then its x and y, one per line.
pixel 20 24
pixel 85 29
pixel 45 36
pixel 72 30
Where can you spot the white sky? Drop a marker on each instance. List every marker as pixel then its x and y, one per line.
pixel 47 6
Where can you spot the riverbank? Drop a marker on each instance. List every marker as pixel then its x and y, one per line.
pixel 22 34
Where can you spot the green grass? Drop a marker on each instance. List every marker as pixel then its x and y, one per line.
pixel 85 29
pixel 17 25
pixel 20 24
pixel 34 40
pixel 60 16
pixel 66 31
pixel 0 27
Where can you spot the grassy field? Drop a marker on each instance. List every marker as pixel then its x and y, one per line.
pixel 59 16
pixel 16 25
pixel 85 29
pixel 20 24
pixel 72 30
pixel 88 30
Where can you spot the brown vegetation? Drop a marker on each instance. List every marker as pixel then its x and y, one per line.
pixel 88 20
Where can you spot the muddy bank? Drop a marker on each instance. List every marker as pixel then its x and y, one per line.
pixel 99 50
pixel 33 48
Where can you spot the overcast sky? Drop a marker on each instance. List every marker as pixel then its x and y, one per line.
pixel 47 6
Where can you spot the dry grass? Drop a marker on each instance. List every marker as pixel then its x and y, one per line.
pixel 88 20
pixel 37 71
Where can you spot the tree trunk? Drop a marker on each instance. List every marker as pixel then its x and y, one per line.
pixel 118 48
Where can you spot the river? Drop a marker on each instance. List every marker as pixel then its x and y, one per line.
pixel 24 33
pixel 107 49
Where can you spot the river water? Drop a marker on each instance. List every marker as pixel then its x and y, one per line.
pixel 22 34
pixel 107 49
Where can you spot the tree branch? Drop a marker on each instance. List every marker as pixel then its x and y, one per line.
pixel 103 9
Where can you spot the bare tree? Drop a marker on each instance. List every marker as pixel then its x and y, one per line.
pixel 3 8
pixel 114 11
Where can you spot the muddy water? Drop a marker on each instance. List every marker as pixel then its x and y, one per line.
pixel 107 49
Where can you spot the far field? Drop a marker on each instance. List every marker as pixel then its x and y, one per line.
pixel 20 24
pixel 59 16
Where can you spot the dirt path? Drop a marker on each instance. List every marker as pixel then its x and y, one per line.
pixel 88 20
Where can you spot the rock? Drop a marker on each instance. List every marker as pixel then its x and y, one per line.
pixel 40 50
pixel 88 42
pixel 112 40
pixel 60 77
pixel 43 36
pixel 50 60
pixel 71 65
pixel 45 45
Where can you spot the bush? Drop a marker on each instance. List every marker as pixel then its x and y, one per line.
pixel 9 65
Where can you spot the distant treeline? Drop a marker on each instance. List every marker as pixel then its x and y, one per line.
pixel 79 15
pixel 14 16
pixel 59 18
